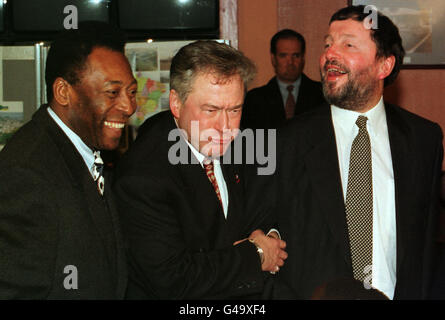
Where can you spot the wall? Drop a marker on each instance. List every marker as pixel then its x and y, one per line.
pixel 257 23
pixel 420 91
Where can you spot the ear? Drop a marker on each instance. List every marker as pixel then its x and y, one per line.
pixel 175 103
pixel 61 91
pixel 273 59
pixel 386 66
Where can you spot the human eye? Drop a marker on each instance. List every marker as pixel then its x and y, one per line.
pixel 209 110
pixel 235 111
pixel 133 91
pixel 112 93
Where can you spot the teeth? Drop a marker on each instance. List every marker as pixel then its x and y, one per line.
pixel 114 125
pixel 336 70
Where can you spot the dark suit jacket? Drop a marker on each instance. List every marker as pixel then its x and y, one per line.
pixel 264 109
pixel 180 244
pixel 311 206
pixel 52 216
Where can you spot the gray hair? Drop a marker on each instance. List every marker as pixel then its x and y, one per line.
pixel 201 57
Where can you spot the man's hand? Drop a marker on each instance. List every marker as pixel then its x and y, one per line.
pixel 273 250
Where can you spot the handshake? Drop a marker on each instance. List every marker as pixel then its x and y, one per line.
pixel 270 248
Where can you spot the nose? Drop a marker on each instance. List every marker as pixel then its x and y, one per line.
pixel 223 120
pixel 127 104
pixel 331 52
pixel 290 59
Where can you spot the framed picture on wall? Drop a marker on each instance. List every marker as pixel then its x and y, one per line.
pixel 422 28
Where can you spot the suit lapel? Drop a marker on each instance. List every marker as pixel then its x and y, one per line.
pixel 235 191
pixel 120 254
pixel 275 100
pixel 201 191
pixel 303 93
pixel 323 168
pixel 402 166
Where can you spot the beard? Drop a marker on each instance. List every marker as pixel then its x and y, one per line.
pixel 355 94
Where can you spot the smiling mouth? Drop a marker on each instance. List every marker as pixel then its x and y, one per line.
pixel 335 71
pixel 114 125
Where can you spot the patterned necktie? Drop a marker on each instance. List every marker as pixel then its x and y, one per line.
pixel 359 201
pixel 208 166
pixel 290 103
pixel 98 167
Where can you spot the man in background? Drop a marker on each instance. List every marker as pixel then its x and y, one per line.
pixel 289 93
pixel 59 231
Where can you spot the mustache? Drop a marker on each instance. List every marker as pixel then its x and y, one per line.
pixel 334 63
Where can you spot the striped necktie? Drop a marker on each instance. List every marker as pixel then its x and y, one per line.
pixel 208 166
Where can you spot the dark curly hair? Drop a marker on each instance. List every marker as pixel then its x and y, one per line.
pixel 386 36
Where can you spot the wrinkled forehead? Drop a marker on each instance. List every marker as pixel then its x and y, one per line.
pixel 215 77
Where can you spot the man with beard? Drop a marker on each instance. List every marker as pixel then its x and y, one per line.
pixel 359 179
pixel 287 94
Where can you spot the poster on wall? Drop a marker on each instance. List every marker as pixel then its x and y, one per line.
pixel 150 63
pixel 422 28
pixel 11 119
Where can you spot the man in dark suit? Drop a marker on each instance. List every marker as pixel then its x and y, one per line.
pixel 182 205
pixel 359 180
pixel 289 93
pixel 59 231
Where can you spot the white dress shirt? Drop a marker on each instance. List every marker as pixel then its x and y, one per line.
pixel 384 212
pixel 81 147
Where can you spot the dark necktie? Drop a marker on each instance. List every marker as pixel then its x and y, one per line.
pixel 359 201
pixel 98 167
pixel 290 103
pixel 208 166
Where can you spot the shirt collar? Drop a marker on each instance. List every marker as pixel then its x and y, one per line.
pixel 347 118
pixel 81 147
pixel 283 85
